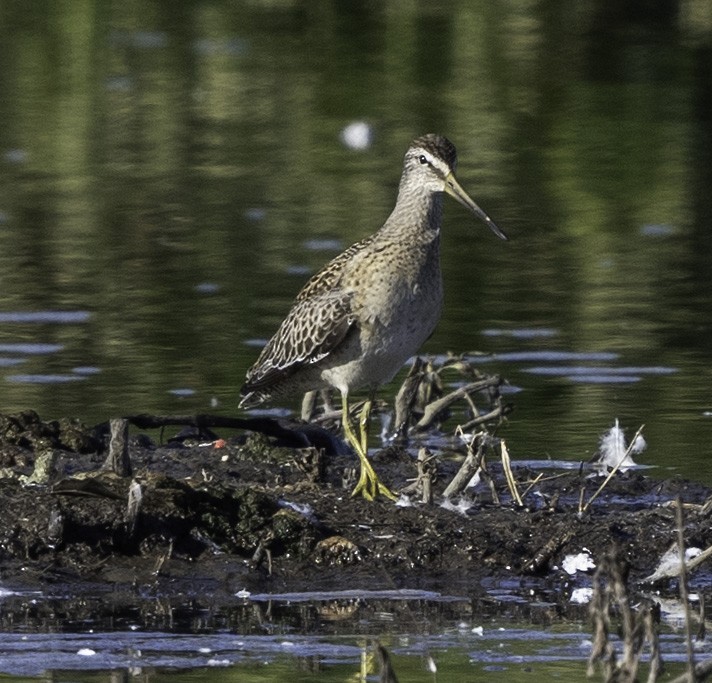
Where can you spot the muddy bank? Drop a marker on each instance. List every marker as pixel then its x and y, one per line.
pixel 205 513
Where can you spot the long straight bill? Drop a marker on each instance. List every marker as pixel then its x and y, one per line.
pixel 454 189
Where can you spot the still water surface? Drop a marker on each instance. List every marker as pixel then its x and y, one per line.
pixel 429 637
pixel 171 174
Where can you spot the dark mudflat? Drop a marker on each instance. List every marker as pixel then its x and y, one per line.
pixel 247 514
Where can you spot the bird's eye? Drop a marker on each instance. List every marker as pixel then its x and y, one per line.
pixel 423 159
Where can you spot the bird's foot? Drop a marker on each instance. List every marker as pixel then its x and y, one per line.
pixel 369 485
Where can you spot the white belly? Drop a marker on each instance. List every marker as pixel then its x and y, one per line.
pixel 388 336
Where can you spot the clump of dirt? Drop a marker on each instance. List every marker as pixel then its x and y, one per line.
pixel 244 512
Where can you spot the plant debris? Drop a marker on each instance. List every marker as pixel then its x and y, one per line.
pixel 208 505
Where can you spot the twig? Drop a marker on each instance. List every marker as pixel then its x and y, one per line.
pixel 498 412
pixel 118 460
pixel 469 466
pixel 432 409
pixel 541 559
pixel 551 477
pixel 613 471
pixel 406 397
pixel 610 596
pixel 632 645
pixel 424 480
pixel 386 673
pixel 706 508
pixel 651 622
pixel 309 405
pixel 537 479
pixel 509 475
pixel 684 596
pixel 133 507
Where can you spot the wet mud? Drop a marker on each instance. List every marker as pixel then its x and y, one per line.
pixel 206 513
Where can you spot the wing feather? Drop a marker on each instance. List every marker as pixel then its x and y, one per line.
pixel 328 279
pixel 319 321
pixel 313 328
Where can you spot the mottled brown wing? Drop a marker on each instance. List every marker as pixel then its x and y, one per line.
pixel 329 277
pixel 310 332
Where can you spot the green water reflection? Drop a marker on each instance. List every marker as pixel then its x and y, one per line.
pixel 149 148
pixel 507 655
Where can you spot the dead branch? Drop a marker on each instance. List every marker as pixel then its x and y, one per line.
pixel 406 397
pixel 684 594
pixel 542 558
pixel 436 407
pixel 610 596
pixel 495 414
pixel 118 460
pixel 386 673
pixel 297 436
pixel 469 467
pixel 509 475
pixel 427 471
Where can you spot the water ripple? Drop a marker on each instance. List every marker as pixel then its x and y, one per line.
pixel 44 379
pixel 44 316
pixel 31 349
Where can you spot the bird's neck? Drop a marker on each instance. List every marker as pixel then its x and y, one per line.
pixel 417 214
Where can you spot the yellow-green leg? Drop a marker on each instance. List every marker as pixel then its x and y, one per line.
pixel 368 485
pixel 364 421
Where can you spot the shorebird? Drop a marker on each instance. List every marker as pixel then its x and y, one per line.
pixel 360 318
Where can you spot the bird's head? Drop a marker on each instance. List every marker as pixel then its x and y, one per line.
pixel 430 162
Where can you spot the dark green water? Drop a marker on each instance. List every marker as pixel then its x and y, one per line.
pixel 170 173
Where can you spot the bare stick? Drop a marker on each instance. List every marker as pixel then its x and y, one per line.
pixel 406 397
pixel 614 470
pixel 651 618
pixel 118 460
pixel 432 409
pixel 309 405
pixel 684 596
pixel 542 557
pixel 468 467
pixel 423 482
pixel 487 417
pixel 532 485
pixel 134 507
pixel 509 475
pixel 387 673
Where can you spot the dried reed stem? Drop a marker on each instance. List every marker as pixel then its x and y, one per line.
pixel 613 471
